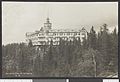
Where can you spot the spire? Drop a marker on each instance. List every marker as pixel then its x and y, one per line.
pixel 48 13
pixel 47 24
pixel 48 20
pixel 48 16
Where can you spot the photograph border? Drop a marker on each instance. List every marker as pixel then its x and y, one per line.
pixel 60 77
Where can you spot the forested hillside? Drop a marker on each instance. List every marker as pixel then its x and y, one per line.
pixel 96 56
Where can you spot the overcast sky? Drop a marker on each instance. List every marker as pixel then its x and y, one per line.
pixel 21 17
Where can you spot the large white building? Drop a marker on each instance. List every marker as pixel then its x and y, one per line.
pixel 46 34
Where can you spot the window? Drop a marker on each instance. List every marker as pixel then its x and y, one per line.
pixel 83 33
pixel 54 33
pixel 75 33
pixel 61 33
pixel 68 33
pixel 65 38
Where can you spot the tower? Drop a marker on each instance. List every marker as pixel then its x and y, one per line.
pixel 47 25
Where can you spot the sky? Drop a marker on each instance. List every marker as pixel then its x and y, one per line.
pixel 21 17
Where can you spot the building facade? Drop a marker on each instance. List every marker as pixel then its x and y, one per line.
pixel 46 34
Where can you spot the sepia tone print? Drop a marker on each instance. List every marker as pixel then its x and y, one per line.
pixel 80 41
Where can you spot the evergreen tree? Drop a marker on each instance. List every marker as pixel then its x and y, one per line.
pixel 85 44
pixel 30 43
pixel 92 38
pixel 114 51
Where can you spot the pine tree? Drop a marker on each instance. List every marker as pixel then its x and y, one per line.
pixel 92 38
pixel 85 44
pixel 104 46
pixel 30 43
pixel 114 51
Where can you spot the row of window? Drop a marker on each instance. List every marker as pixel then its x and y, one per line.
pixel 33 35
pixel 65 34
pixel 83 33
pixel 45 43
pixel 56 34
pixel 57 38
